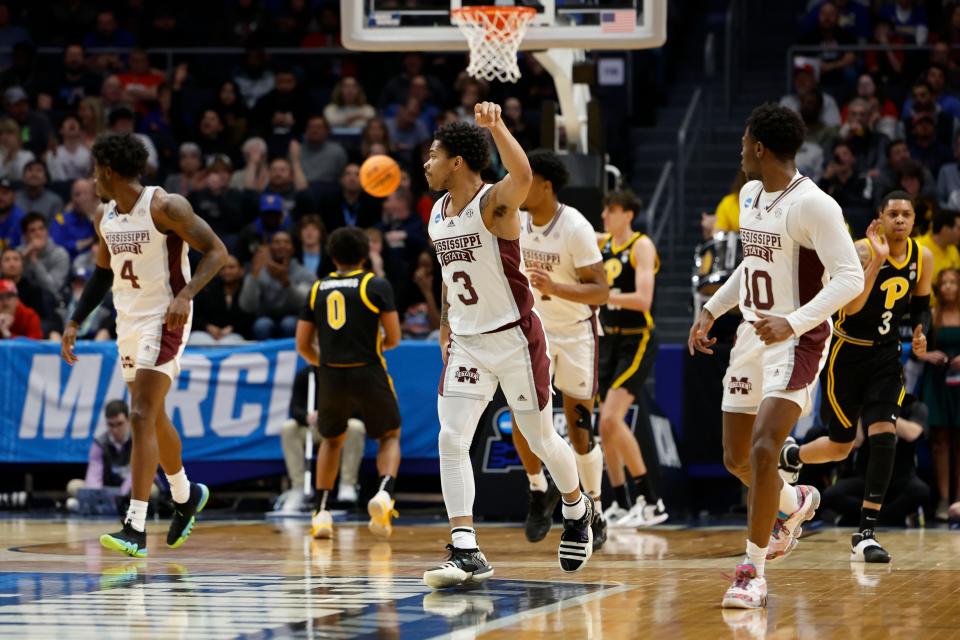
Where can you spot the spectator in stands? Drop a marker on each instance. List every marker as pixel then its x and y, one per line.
pixel 255 173
pixel 17 320
pixel 407 131
pixel 948 180
pixel 191 176
pixel 516 124
pixel 348 106
pixel 233 113
pixel 71 160
pixel 253 78
pixel 12 157
pixel 887 65
pixel 376 251
pixel 92 120
pixel 140 83
pixel 922 103
pixel 837 68
pixel 121 120
pixel 321 159
pixel 108 34
pixel 848 187
pixel 418 89
pixel 282 113
pixel 811 106
pixel 942 239
pixel 909 20
pixel 936 77
pixel 376 132
pixel 34 196
pixel 34 126
pixel 211 139
pixel 397 88
pixel 728 209
pixel 297 201
pixel 949 37
pixel 271 220
pixel 868 145
pixel 32 295
pixel 99 325
pixel 10 215
pixel 853 19
pixel 804 82
pixel 941 385
pixel 882 114
pixel 223 208
pixel 471 91
pixel 924 146
pixel 351 206
pixel 111 93
pixel 887 179
pixel 70 83
pixel 217 315
pixel 310 246
pixel 427 280
pixel 11 34
pixel 44 262
pixel 404 239
pixel 73 228
pixel 275 289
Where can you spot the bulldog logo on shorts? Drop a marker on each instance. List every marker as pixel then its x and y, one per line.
pixel 740 385
pixel 467 375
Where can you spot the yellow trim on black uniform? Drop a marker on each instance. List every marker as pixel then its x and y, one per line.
pixel 363 293
pixel 313 295
pixel 846 422
pixel 637 358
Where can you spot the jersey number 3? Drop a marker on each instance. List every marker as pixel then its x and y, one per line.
pixel 464 278
pixel 126 272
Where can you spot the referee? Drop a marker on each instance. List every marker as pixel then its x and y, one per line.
pixel 352 315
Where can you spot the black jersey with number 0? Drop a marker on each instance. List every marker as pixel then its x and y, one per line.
pixel 346 308
pixel 621 269
pixel 889 301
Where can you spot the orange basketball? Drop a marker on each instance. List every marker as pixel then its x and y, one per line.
pixel 380 176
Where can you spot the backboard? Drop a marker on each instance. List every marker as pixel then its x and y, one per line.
pixel 424 25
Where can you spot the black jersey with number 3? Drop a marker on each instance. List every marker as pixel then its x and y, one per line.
pixel 881 316
pixel 346 308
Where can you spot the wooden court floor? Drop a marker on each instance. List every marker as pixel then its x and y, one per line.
pixel 256 579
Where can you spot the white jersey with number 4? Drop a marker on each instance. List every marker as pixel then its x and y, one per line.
pixel 149 267
pixel 567 243
pixel 486 289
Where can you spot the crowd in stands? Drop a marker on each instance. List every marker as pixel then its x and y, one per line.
pixel 266 148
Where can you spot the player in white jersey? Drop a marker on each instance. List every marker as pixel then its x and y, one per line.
pixel 799 267
pixel 490 335
pixel 143 234
pixel 563 263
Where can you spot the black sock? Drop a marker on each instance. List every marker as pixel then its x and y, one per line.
pixel 621 496
pixel 646 490
pixel 320 499
pixel 883 453
pixel 386 484
pixel 869 518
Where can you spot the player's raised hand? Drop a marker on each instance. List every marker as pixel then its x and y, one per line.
pixel 919 341
pixel 177 313
pixel 67 342
pixel 772 329
pixel 878 241
pixel 487 114
pixel 699 339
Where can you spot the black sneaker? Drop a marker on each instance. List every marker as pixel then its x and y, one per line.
pixel 599 527
pixel 128 540
pixel 789 472
pixel 185 515
pixel 540 512
pixel 865 548
pixel 576 541
pixel 463 565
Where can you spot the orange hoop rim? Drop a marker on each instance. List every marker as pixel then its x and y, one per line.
pixel 472 13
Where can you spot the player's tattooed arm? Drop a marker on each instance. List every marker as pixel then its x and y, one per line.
pixel 173 214
pixel 873 252
pixel 444 323
pixel 499 205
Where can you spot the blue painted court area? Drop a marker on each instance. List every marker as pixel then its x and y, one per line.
pixel 123 602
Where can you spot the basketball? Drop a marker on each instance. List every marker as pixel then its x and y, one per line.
pixel 380 176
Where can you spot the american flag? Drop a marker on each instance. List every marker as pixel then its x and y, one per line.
pixel 620 21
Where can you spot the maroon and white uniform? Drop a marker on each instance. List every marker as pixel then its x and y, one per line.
pixel 149 270
pixel 496 335
pixel 799 263
pixel 567 243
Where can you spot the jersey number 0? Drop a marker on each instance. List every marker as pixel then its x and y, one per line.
pixel 336 310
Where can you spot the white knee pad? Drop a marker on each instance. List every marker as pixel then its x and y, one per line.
pixel 458 423
pixel 546 444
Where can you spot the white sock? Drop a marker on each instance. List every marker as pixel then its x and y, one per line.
pixel 464 537
pixel 789 500
pixel 574 511
pixel 137 514
pixel 590 468
pixel 757 557
pixel 538 482
pixel 179 486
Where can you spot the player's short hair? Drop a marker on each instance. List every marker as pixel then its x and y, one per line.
pixel 944 218
pixel 625 199
pixel 348 246
pixel 547 165
pixel 115 408
pixel 32 217
pixel 123 153
pixel 467 141
pixel 897 194
pixel 777 128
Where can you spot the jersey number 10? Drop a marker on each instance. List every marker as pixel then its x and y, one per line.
pixel 759 286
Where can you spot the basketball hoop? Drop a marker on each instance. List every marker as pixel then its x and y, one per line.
pixel 494 35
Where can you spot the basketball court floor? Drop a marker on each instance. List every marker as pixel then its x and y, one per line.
pixel 257 579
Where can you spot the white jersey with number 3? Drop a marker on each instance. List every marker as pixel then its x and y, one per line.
pixel 486 288
pixel 149 267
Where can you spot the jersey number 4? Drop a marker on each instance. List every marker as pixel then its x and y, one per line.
pixel 126 272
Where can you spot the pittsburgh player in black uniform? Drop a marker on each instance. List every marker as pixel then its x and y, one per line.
pixel 345 313
pixel 863 379
pixel 628 348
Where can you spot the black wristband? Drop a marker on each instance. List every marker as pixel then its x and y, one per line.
pixel 93 293
pixel 920 312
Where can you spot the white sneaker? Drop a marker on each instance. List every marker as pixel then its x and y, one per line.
pixel 321 525
pixel 748 591
pixel 292 501
pixel 347 493
pixel 654 514
pixel 381 512
pixel 613 514
pixel 634 517
pixel 786 533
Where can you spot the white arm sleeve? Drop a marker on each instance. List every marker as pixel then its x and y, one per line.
pixel 727 296
pixel 583 246
pixel 817 224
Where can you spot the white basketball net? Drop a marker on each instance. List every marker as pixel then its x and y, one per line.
pixel 494 35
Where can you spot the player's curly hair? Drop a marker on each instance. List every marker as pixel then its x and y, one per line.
pixel 467 141
pixel 123 153
pixel 547 165
pixel 777 128
pixel 348 246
